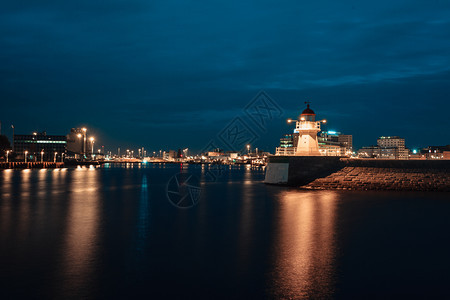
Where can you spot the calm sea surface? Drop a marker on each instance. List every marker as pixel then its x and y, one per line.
pixel 116 232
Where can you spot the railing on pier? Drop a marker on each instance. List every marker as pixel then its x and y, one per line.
pixel 285 151
pixel 30 165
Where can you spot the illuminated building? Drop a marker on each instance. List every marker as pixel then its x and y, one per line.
pixel 76 142
pixel 437 152
pixel 392 147
pixel 332 143
pixel 287 141
pixel 40 144
pixel 388 147
pixel 369 152
pixel 346 141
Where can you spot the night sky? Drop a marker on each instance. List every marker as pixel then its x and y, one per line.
pixel 173 74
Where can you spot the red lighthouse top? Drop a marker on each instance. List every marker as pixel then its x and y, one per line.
pixel 308 111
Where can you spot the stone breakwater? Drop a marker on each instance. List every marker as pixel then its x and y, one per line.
pixel 358 174
pixel 393 179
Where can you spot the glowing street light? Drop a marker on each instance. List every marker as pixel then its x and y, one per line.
pixel 54 157
pixel 248 149
pixel 26 153
pixel 84 140
pixel 81 144
pixel 42 156
pixel 92 139
pixel 7 152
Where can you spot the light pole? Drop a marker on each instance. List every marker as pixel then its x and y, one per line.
pixel 42 156
pixel 248 149
pixel 84 140
pixel 62 157
pixel 160 153
pixel 26 153
pixel 154 153
pixel 92 145
pixel 54 157
pixel 12 126
pixel 81 144
pixel 7 152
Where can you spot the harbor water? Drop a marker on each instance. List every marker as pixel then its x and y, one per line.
pixel 135 230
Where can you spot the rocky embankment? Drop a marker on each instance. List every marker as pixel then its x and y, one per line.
pixel 379 178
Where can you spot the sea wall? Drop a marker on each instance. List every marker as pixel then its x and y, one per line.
pixel 359 174
pixel 299 170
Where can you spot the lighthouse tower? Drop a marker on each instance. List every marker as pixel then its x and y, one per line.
pixel 307 128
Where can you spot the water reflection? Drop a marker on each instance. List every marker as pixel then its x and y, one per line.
pixel 143 222
pixel 82 231
pixel 304 245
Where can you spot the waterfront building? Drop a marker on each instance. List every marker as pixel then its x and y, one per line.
pixel 287 141
pixel 76 142
pixel 388 147
pixel 437 152
pixel 346 141
pixel 40 145
pixel 369 152
pixel 392 147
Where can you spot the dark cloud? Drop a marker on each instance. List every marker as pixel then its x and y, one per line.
pixel 174 73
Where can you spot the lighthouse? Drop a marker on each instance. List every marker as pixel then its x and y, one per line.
pixel 307 128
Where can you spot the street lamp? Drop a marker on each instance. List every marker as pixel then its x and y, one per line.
pixel 92 145
pixel 42 156
pixel 26 153
pixel 84 140
pixel 248 149
pixel 54 157
pixel 81 143
pixel 7 152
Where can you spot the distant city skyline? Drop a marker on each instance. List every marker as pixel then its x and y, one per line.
pixel 172 74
